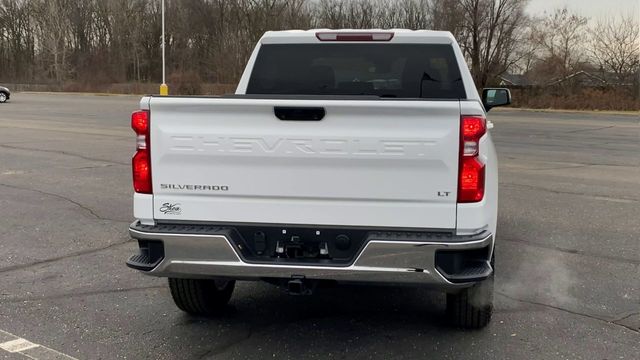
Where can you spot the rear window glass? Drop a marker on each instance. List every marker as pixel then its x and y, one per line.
pixel 388 70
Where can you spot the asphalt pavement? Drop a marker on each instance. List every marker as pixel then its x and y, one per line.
pixel 567 256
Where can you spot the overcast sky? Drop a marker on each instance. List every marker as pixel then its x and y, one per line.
pixel 589 8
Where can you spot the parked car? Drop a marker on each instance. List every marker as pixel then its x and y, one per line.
pixel 5 94
pixel 344 156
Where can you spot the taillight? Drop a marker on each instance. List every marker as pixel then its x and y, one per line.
pixel 141 162
pixel 354 36
pixel 140 122
pixel 471 169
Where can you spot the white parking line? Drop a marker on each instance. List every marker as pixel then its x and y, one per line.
pixel 18 345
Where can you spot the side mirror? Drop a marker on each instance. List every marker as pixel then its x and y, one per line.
pixel 493 97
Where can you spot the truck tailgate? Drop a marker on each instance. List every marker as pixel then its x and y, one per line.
pixel 374 163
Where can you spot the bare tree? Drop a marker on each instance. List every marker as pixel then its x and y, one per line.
pixel 101 41
pixel 413 14
pixel 561 36
pixel 527 49
pixel 615 46
pixel 448 15
pixel 17 41
pixel 489 35
pixel 119 40
pixel 52 17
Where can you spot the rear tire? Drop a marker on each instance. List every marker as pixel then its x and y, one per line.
pixel 3 97
pixel 472 308
pixel 201 296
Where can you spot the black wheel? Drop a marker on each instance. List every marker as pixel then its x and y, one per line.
pixel 200 296
pixel 472 308
pixel 3 97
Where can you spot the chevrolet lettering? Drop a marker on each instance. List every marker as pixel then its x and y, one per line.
pixel 286 146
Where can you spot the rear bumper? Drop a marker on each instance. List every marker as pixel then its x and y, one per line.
pixel 388 258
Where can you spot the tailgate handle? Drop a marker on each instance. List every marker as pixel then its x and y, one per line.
pixel 299 113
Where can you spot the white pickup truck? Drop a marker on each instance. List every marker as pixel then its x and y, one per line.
pixel 348 156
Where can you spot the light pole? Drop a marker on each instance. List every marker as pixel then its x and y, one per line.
pixel 164 89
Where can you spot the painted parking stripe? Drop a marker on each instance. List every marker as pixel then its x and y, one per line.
pixel 18 345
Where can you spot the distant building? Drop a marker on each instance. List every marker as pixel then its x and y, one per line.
pixel 514 80
pixel 581 79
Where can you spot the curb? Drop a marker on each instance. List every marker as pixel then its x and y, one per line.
pixel 570 111
pixel 73 93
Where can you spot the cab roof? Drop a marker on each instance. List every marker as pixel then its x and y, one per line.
pixel 397 36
